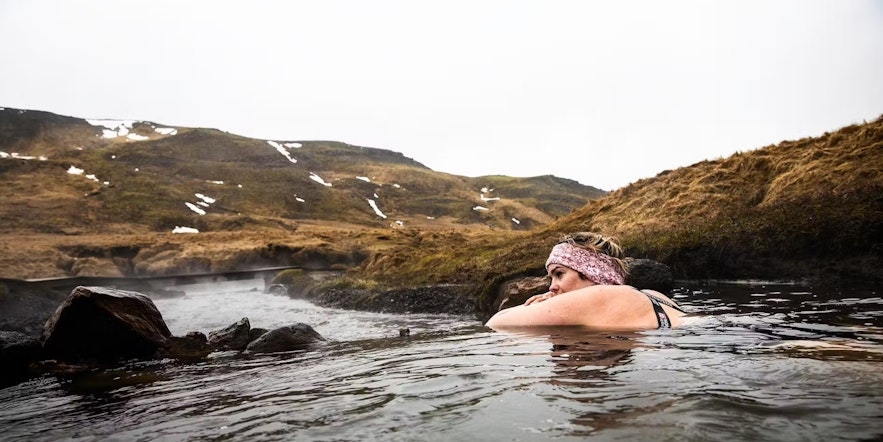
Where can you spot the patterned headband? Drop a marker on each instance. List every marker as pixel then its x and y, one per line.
pixel 596 267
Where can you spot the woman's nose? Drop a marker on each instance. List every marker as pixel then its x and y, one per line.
pixel 553 287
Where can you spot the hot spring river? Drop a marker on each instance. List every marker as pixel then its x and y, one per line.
pixel 761 362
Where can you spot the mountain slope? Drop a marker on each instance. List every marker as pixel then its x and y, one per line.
pixel 811 208
pixel 69 176
pixel 144 175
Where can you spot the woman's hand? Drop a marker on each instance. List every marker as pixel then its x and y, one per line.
pixel 538 298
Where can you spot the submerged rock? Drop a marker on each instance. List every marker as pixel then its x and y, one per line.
pixel 298 336
pixel 104 324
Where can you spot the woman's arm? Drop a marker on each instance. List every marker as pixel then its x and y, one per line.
pixel 606 306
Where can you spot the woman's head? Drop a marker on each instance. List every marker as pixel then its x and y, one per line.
pixel 595 258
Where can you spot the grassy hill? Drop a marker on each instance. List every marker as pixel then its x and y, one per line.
pixel 811 208
pixel 70 183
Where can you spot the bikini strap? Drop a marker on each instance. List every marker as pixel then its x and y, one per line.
pixel 662 319
pixel 664 301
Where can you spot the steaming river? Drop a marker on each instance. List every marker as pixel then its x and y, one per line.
pixel 763 362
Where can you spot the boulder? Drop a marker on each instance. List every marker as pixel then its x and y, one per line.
pixel 104 324
pixel 649 274
pixel 235 337
pixel 299 336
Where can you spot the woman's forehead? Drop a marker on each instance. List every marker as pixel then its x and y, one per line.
pixel 555 266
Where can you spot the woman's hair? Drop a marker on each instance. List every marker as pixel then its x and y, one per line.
pixel 598 243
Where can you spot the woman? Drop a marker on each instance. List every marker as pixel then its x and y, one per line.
pixel 587 289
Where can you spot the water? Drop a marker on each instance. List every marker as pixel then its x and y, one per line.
pixel 761 362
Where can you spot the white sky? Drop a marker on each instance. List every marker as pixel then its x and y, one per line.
pixel 603 92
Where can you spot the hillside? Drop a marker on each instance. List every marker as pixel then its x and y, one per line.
pixel 811 208
pixel 75 188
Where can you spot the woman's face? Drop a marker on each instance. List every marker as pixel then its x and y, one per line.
pixel 565 279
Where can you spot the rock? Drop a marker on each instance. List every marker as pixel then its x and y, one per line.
pixel 649 274
pixel 255 333
pixel 443 298
pixel 299 336
pixel 27 307
pixel 190 347
pixel 234 337
pixel 17 352
pixel 296 283
pixel 516 291
pixel 104 324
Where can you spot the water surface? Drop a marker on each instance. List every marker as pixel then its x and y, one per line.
pixel 760 362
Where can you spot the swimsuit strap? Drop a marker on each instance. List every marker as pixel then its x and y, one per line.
pixel 664 301
pixel 661 317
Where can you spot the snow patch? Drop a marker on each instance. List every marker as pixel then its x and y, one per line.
pixel 319 179
pixel 113 128
pixel 136 137
pixel 166 130
pixel 480 209
pixel 376 210
pixel 283 150
pixel 195 208
pixel 180 229
pixel 207 199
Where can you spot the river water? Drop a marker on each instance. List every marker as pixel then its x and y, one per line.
pixel 760 361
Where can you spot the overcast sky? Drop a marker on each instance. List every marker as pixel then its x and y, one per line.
pixel 602 92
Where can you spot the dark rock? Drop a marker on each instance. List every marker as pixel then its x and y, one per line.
pixel 190 347
pixel 104 324
pixel 26 307
pixel 299 336
pixel 17 352
pixel 234 337
pixel 516 291
pixel 446 298
pixel 649 274
pixel 255 333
